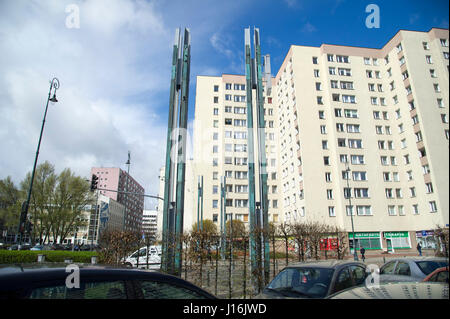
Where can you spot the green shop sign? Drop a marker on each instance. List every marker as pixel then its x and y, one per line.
pixel 365 235
pixel 397 234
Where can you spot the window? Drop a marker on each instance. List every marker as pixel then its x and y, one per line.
pixel 342 59
pixel 346 85
pixel 412 191
pixel 367 61
pixel 321 115
pixel 429 187
pixel 343 281
pixel 216 88
pixel 329 194
pixel 319 100
pixel 433 207
pixel 391 210
pixel 349 113
pixel 341 142
pixel 330 57
pixel 415 209
pixel 227 86
pixel 440 103
pixel 87 290
pixel 389 193
pixel 348 98
pixel 369 74
pixel 323 129
pixel 361 192
pixel 433 73
pixel 355 143
pixel 328 177
pixel 314 59
pixel 353 128
pixel 332 71
pixel 331 211
pixel 399 48
pixel 228 97
pixel 344 72
pixel 357 159
pixel 359 176
pixel 445 55
pixel 324 145
pixel 316 73
pixel 215 203
pixel 216 111
pixel 444 42
pixel 425 46
pixel 436 87
pixel 428 59
pixel 326 160
pixel 228 109
pixel 364 210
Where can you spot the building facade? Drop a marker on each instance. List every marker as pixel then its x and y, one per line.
pixel 115 179
pixel 349 131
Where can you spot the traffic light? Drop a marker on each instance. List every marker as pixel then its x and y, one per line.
pixel 94 182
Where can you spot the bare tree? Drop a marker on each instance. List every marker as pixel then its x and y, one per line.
pixel 285 231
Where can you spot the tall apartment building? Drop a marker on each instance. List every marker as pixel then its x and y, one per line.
pixel 383 113
pixel 116 179
pixel 220 147
pixel 349 130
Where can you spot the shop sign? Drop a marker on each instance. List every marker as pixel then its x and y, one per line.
pixel 424 233
pixel 365 235
pixel 391 234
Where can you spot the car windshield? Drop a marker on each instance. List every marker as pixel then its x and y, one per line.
pixel 302 282
pixel 428 266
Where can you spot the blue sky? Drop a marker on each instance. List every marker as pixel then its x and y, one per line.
pixel 115 68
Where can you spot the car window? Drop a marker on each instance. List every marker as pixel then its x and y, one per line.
pixel 402 269
pixel 434 277
pixel 388 268
pixel 358 273
pixel 442 276
pixel 428 266
pixel 343 280
pixel 161 290
pixel 93 290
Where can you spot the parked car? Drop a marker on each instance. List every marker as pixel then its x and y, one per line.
pixel 153 255
pixel 41 247
pixel 396 290
pixel 315 279
pixel 97 282
pixel 410 269
pixel 439 275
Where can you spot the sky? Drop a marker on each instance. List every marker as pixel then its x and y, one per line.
pixel 113 61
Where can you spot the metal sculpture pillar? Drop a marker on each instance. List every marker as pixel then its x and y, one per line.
pixel 173 209
pixel 258 209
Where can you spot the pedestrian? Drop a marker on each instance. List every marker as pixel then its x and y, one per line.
pixel 363 251
pixel 419 249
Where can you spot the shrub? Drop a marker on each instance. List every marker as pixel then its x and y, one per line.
pixel 29 256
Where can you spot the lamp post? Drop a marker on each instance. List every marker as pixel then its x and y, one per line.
pixel 54 85
pixel 349 195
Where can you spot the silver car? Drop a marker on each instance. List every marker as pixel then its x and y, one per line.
pixel 410 269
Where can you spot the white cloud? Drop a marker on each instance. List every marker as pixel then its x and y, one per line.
pixel 308 28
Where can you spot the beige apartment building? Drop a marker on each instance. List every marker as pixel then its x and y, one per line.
pixel 349 130
pixel 220 148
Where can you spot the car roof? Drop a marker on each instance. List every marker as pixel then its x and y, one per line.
pixel 400 290
pixel 418 258
pixel 324 263
pixel 32 275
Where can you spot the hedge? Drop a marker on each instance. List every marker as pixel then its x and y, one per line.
pixel 30 256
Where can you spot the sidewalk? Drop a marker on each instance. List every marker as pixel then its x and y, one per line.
pixel 381 258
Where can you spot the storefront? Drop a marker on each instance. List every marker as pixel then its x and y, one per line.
pixel 397 240
pixel 426 239
pixel 368 240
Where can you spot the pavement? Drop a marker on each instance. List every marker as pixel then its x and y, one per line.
pixel 381 258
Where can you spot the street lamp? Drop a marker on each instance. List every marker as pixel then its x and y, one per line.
pixel 54 85
pixel 349 195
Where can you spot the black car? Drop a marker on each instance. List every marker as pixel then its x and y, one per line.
pixel 94 282
pixel 315 279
